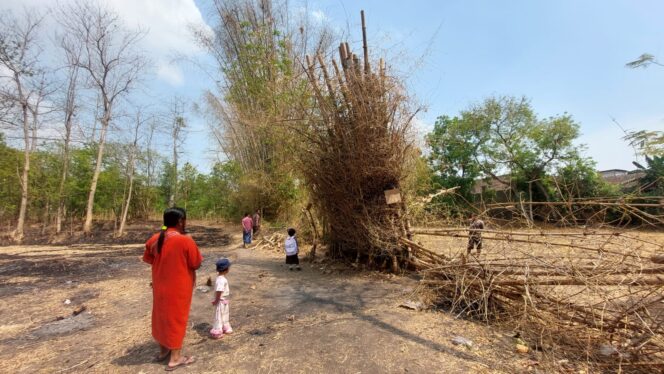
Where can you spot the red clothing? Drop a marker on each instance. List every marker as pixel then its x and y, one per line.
pixel 247 224
pixel 173 274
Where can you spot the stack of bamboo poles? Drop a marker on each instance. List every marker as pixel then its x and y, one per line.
pixel 598 294
pixel 647 210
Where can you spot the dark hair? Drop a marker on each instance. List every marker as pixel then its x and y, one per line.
pixel 291 232
pixel 171 218
pixel 246 214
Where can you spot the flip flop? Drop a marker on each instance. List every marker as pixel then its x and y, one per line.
pixel 187 361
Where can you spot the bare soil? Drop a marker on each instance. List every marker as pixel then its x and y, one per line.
pixel 327 318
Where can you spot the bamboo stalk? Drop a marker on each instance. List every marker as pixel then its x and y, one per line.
pixel 657 281
pixel 597 250
pixel 594 203
pixel 367 69
pixel 326 77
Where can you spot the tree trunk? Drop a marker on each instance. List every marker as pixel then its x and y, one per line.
pixel 69 115
pixel 19 232
pixel 63 180
pixel 87 226
pixel 171 199
pixel 125 209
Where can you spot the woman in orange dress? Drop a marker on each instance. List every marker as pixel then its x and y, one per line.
pixel 174 257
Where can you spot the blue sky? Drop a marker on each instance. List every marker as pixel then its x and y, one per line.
pixel 566 56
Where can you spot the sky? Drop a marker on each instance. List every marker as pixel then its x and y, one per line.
pixel 565 56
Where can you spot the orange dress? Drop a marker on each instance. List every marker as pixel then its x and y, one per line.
pixel 173 274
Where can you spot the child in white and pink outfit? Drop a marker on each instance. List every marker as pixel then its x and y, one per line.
pixel 221 312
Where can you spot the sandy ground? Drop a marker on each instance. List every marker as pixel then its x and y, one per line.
pixel 324 319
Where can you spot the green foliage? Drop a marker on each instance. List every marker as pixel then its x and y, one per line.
pixel 453 147
pixel 653 182
pixel 10 190
pixel 650 143
pixel 579 178
pixel 503 135
pixel 262 93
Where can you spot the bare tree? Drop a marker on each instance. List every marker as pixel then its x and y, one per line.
pixel 131 171
pixel 72 53
pixel 178 124
pixel 19 53
pixel 113 66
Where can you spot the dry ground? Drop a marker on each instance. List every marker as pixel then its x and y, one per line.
pixel 324 319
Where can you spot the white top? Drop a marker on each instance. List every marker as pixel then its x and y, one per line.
pixel 221 285
pixel 291 246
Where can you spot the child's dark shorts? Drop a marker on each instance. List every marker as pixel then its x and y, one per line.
pixel 292 260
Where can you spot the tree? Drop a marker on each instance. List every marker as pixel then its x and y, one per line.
pixel 131 171
pixel 453 155
pixel 260 95
pixel 178 125
pixel 71 49
pixel 647 143
pixel 19 54
pixel 579 178
pixel 504 135
pixel 111 63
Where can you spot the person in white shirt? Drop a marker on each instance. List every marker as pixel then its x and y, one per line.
pixel 292 249
pixel 221 312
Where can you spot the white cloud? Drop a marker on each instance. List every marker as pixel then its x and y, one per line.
pixel 170 73
pixel 167 24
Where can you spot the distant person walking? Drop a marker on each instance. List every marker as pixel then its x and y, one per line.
pixel 247 227
pixel 256 221
pixel 174 258
pixel 475 234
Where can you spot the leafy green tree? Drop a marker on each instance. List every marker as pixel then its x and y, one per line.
pixel 452 155
pixel 10 190
pixel 648 143
pixel 579 178
pixel 503 135
pixel 653 181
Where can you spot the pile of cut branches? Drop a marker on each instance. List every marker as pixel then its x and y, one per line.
pixel 597 296
pixel 609 211
pixel 355 147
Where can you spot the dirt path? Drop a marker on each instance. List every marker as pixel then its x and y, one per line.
pixel 296 322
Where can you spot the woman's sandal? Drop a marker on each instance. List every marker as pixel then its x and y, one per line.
pixel 187 361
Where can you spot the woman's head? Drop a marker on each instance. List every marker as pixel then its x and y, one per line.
pixel 175 217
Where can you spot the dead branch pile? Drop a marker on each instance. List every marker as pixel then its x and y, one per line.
pixel 356 142
pixel 590 295
pixel 273 243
